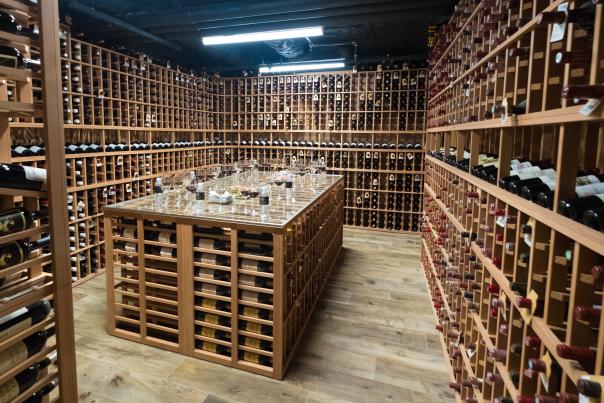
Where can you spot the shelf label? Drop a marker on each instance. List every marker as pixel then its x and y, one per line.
pixel 590 107
pixel 526 313
pixel 548 371
pixel 503 305
pixel 559 29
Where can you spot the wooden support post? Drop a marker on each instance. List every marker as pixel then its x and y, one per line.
pixel 54 138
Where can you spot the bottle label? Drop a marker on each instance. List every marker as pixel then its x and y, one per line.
pixel 12 222
pixel 589 179
pixel 502 221
pixel 130 246
pixel 205 243
pixel 250 296
pixel 17 327
pixel 248 264
pixel 211 347
pixel 525 171
pixel 129 232
pixel 209 289
pixel 209 303
pixel 12 356
pixel 9 390
pixel 208 258
pixel 589 190
pixel 165 252
pixel 208 332
pixel 252 342
pixel 549 182
pixel 164 236
pixel 35 174
pixel 253 327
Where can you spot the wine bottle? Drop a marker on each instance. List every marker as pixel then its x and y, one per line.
pixel 256 312
pixel 38 397
pixel 256 343
pixel 23 318
pixel 543 193
pixel 212 319
pixel 594 218
pixel 213 304
pixel 589 388
pixel 584 356
pixel 213 348
pixel 254 327
pixel 255 358
pixel 531 178
pixel 213 333
pixel 24 379
pixel 576 208
pixel 19 219
pixel 22 177
pixel 16 252
pixel 23 349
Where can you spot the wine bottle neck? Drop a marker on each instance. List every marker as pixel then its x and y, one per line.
pixel 40 243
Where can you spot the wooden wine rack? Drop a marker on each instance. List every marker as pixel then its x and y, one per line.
pixel 500 54
pixel 111 98
pixel 220 284
pixel 26 95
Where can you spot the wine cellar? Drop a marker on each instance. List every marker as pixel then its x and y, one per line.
pixel 364 201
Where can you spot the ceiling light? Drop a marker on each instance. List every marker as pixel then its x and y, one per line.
pixel 281 68
pixel 263 36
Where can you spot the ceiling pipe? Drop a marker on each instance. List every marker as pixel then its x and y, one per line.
pixel 122 24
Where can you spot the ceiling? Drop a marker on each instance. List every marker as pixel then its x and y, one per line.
pixel 172 29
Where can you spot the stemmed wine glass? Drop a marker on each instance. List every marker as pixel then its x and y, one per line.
pixel 166 184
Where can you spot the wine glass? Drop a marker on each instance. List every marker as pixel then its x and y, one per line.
pixel 216 172
pixel 166 184
pixel 179 184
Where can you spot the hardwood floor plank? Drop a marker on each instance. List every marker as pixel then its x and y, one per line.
pixel 371 339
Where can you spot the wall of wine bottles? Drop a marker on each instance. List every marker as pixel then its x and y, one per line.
pixel 36 312
pixel 513 227
pixel 129 120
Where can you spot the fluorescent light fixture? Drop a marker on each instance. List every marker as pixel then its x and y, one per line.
pixel 263 36
pixel 281 68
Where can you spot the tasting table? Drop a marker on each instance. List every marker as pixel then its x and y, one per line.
pixel 235 284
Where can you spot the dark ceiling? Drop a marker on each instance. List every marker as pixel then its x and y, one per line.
pixel 172 29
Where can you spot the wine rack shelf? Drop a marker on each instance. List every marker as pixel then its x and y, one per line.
pixel 36 310
pixel 218 283
pixel 113 99
pixel 513 246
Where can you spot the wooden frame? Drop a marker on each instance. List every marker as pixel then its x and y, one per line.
pixel 200 302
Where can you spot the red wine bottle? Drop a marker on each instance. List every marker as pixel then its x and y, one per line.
pixel 584 356
pixel 23 318
pixel 589 388
pixel 19 219
pixel 543 193
pixel 24 379
pixel 39 396
pixel 18 251
pixel 23 349
pixel 22 177
pixel 594 218
pixel 576 208
pixel 583 92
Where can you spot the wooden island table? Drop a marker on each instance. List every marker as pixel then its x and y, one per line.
pixel 223 283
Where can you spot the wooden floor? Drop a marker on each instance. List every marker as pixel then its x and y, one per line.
pixel 371 339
